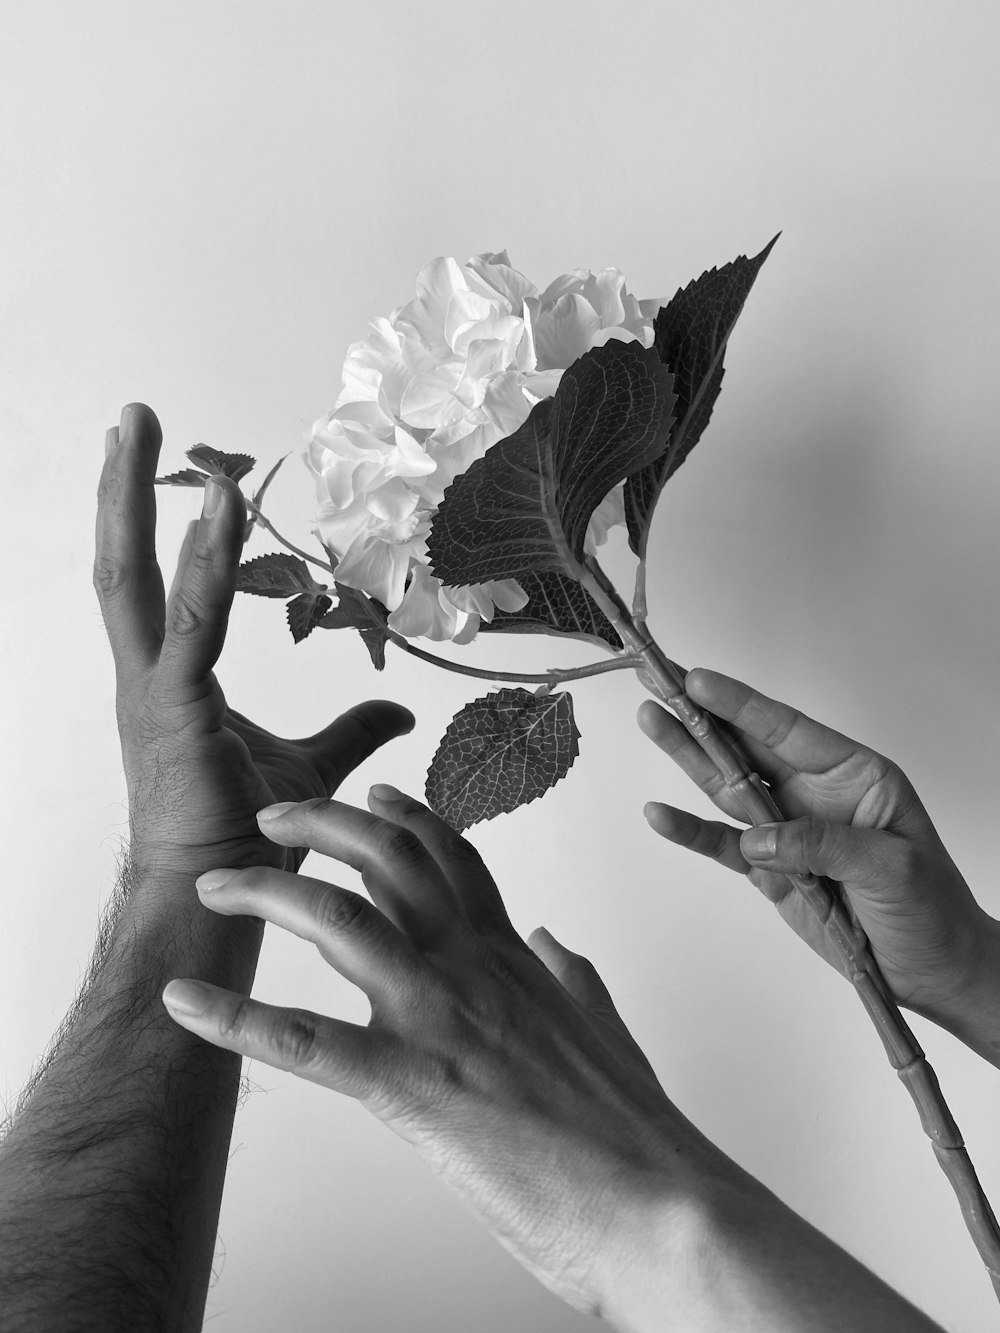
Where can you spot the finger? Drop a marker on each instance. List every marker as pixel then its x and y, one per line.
pixel 579 976
pixel 404 880
pixel 351 935
pixel 803 744
pixel 708 837
pixel 203 591
pixel 127 577
pixel 674 740
pixel 868 858
pixel 342 1056
pixel 474 887
pixel 349 740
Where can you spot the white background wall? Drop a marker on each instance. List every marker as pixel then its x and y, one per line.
pixel 202 205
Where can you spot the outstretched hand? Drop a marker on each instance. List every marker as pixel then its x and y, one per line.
pixel 197 771
pixel 854 817
pixel 509 1070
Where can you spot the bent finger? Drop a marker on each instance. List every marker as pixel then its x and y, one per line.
pixel 351 935
pixel 805 745
pixel 338 1055
pixel 127 577
pixel 404 880
pixel 474 887
pixel 198 610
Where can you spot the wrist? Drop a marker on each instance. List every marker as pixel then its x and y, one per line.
pixel 732 1255
pixel 972 1012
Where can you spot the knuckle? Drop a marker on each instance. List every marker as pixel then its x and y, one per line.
pixel 109 576
pixel 185 617
pixel 393 842
pixel 237 1028
pixel 460 853
pixel 338 911
pixel 295 1039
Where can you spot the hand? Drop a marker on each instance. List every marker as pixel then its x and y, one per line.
pixel 855 818
pixel 197 770
pixel 509 1070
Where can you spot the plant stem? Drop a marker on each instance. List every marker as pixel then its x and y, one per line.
pixel 550 677
pixel 664 679
pixel 327 568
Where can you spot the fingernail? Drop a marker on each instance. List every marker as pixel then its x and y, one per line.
pixel 760 843
pixel 186 997
pixel 383 792
pixel 274 811
pixel 123 421
pixel 110 441
pixel 214 879
pixel 213 497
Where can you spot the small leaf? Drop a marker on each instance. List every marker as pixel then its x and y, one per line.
pixel 305 612
pixel 500 752
pixel 188 477
pixel 214 460
pixel 525 506
pixel 279 575
pixel 691 333
pixel 258 497
pixel 556 605
pixel 366 615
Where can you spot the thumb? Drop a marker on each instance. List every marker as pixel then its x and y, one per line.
pixel 838 851
pixel 349 740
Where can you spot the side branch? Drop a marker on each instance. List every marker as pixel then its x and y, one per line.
pixel 551 677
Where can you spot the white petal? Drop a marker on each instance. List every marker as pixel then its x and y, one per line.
pixel 409 459
pixel 604 292
pixel 508 595
pixel 392 502
pixel 563 332
pixel 616 334
pixel 421 614
pixel 376 567
pixel 495 269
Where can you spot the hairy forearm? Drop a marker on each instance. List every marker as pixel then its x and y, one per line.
pixel 738 1258
pixel 111 1171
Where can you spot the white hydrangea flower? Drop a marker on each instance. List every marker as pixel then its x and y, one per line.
pixel 427 393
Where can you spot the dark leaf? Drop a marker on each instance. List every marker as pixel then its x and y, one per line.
pixel 305 612
pixel 188 477
pixel 214 460
pixel 367 616
pixel 280 575
pixel 691 333
pixel 556 605
pixel 525 506
pixel 500 752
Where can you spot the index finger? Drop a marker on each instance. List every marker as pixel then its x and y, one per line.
pixel 403 878
pixel 805 745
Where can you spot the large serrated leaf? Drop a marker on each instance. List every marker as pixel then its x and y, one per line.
pixel 305 612
pixel 556 605
pixel 525 506
pixel 500 752
pixel 279 575
pixel 691 333
pixel 214 460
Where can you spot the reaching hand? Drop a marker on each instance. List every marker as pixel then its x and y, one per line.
pixel 855 818
pixel 517 1081
pixel 197 770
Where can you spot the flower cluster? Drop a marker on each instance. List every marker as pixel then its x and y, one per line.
pixel 429 391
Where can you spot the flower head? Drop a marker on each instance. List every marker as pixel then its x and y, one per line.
pixel 427 393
